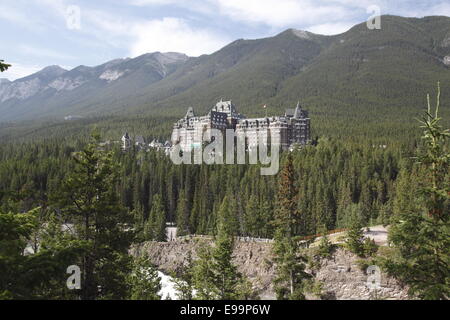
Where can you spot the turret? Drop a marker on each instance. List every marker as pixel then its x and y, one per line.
pixel 298 111
pixel 190 113
pixel 126 141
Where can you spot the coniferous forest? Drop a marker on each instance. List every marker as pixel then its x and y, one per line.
pixel 71 198
pixel 109 199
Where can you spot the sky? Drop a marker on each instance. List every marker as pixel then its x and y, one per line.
pixel 69 33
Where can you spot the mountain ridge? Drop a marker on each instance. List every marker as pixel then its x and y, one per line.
pixel 370 70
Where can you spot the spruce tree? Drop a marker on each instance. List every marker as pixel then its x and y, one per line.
pixel 216 277
pixel 182 215
pixel 227 278
pixel 41 273
pixel 156 224
pixel 203 274
pixel 227 218
pixel 4 66
pixel 343 203
pixel 421 230
pixel 144 280
pixel 88 199
pixel 325 246
pixel 140 226
pixel 184 282
pixel 266 217
pixel 355 236
pixel 252 218
pixel 289 260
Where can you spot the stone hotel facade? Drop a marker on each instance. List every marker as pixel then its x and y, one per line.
pixel 293 127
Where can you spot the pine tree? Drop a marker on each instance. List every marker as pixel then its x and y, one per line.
pixel 4 66
pixel 227 220
pixel 88 200
pixel 286 213
pixel 39 274
pixel 203 274
pixel 288 258
pixel 421 230
pixel 15 229
pixel 355 236
pixel 325 246
pixel 216 277
pixel 266 217
pixel 156 224
pixel 144 280
pixel 139 224
pixel 226 276
pixel 344 201
pixel 182 215
pixel 184 283
pixel 251 217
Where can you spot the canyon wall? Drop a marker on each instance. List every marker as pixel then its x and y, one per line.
pixel 340 276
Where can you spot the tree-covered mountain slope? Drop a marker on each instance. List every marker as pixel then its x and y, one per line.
pixel 373 75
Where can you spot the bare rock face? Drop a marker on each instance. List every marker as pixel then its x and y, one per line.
pixel 446 42
pixel 20 90
pixel 447 60
pixel 111 75
pixel 252 259
pixel 341 277
pixel 302 34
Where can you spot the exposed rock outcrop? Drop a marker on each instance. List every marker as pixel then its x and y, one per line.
pixel 447 60
pixel 343 279
pixel 340 276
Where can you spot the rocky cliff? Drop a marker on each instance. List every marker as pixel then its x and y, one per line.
pixel 340 276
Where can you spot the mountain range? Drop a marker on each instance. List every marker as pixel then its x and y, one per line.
pixel 378 72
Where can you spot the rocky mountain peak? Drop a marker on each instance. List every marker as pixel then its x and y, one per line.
pixel 302 33
pixel 52 70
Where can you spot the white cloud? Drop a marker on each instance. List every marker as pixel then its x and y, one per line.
pixel 139 35
pixel 441 9
pixel 173 34
pixel 18 70
pixel 203 7
pixel 14 14
pixel 114 25
pixel 281 13
pixel 153 2
pixel 330 28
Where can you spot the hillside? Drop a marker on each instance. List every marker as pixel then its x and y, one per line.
pixel 55 92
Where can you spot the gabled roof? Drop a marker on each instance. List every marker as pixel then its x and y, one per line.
pixel 289 112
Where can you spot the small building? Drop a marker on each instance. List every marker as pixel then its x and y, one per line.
pixel 159 146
